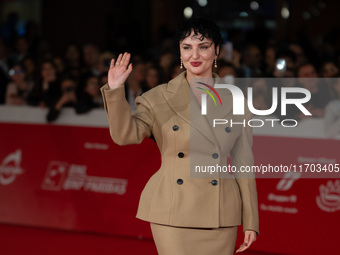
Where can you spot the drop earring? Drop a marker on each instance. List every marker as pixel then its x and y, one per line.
pixel 215 63
pixel 181 64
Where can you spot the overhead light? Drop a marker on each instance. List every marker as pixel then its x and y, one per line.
pixel 202 3
pixel 254 5
pixel 187 12
pixel 285 12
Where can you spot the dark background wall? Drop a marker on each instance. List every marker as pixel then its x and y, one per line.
pixel 109 23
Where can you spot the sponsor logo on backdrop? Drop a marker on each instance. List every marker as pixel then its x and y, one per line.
pixel 64 176
pixel 284 185
pixel 10 168
pixel 287 181
pixel 96 146
pixel 329 198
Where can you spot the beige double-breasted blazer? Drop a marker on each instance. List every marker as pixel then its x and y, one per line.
pixel 173 195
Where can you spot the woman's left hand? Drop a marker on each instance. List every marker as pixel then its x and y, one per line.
pixel 249 238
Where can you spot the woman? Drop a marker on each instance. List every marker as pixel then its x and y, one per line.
pixel 187 215
pixel 47 87
pixel 67 98
pixel 90 97
pixel 18 90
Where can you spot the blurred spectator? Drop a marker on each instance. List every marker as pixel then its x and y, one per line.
pixel 320 96
pixel 105 61
pixel 44 51
pixel 307 70
pixel 21 50
pixel 329 69
pixel 72 56
pixel 299 54
pixel 291 81
pixel 175 69
pixel 332 112
pixel 225 68
pixel 92 60
pixel 251 61
pixel 270 60
pixel 165 62
pixel 288 80
pixel 4 65
pixel 67 98
pixel 19 88
pixel 261 97
pixel 133 86
pixel 90 97
pixel 60 65
pixel 290 63
pixel 46 87
pixel 30 68
pixel 153 77
pixel 103 79
pixel 288 55
pixel 3 70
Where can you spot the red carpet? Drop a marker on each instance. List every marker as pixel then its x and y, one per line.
pixel 19 240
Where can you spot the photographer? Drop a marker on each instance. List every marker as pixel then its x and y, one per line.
pixel 67 98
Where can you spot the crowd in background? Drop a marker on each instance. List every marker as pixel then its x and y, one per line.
pixel 31 74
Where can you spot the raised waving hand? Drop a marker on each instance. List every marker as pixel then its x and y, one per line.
pixel 119 70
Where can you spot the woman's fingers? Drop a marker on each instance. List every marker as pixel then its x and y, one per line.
pixel 242 248
pixel 119 59
pixel 129 69
pixel 123 59
pixel 249 238
pixel 112 63
pixel 127 59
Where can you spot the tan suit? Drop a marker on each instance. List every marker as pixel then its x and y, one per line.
pixel 172 196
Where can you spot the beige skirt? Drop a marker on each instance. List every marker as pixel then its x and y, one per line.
pixel 172 240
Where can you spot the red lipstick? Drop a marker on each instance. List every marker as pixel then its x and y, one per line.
pixel 195 64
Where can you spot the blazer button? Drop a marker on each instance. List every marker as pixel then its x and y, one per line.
pixel 215 155
pixel 179 181
pixel 214 182
pixel 181 155
pixel 175 128
pixel 227 129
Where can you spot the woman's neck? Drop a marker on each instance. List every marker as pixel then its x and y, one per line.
pixel 190 76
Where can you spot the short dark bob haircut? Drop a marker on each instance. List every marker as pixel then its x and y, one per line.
pixel 205 27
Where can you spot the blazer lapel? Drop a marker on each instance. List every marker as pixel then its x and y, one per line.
pixel 183 103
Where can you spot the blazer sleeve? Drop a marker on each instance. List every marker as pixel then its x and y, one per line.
pixel 242 155
pixel 127 128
